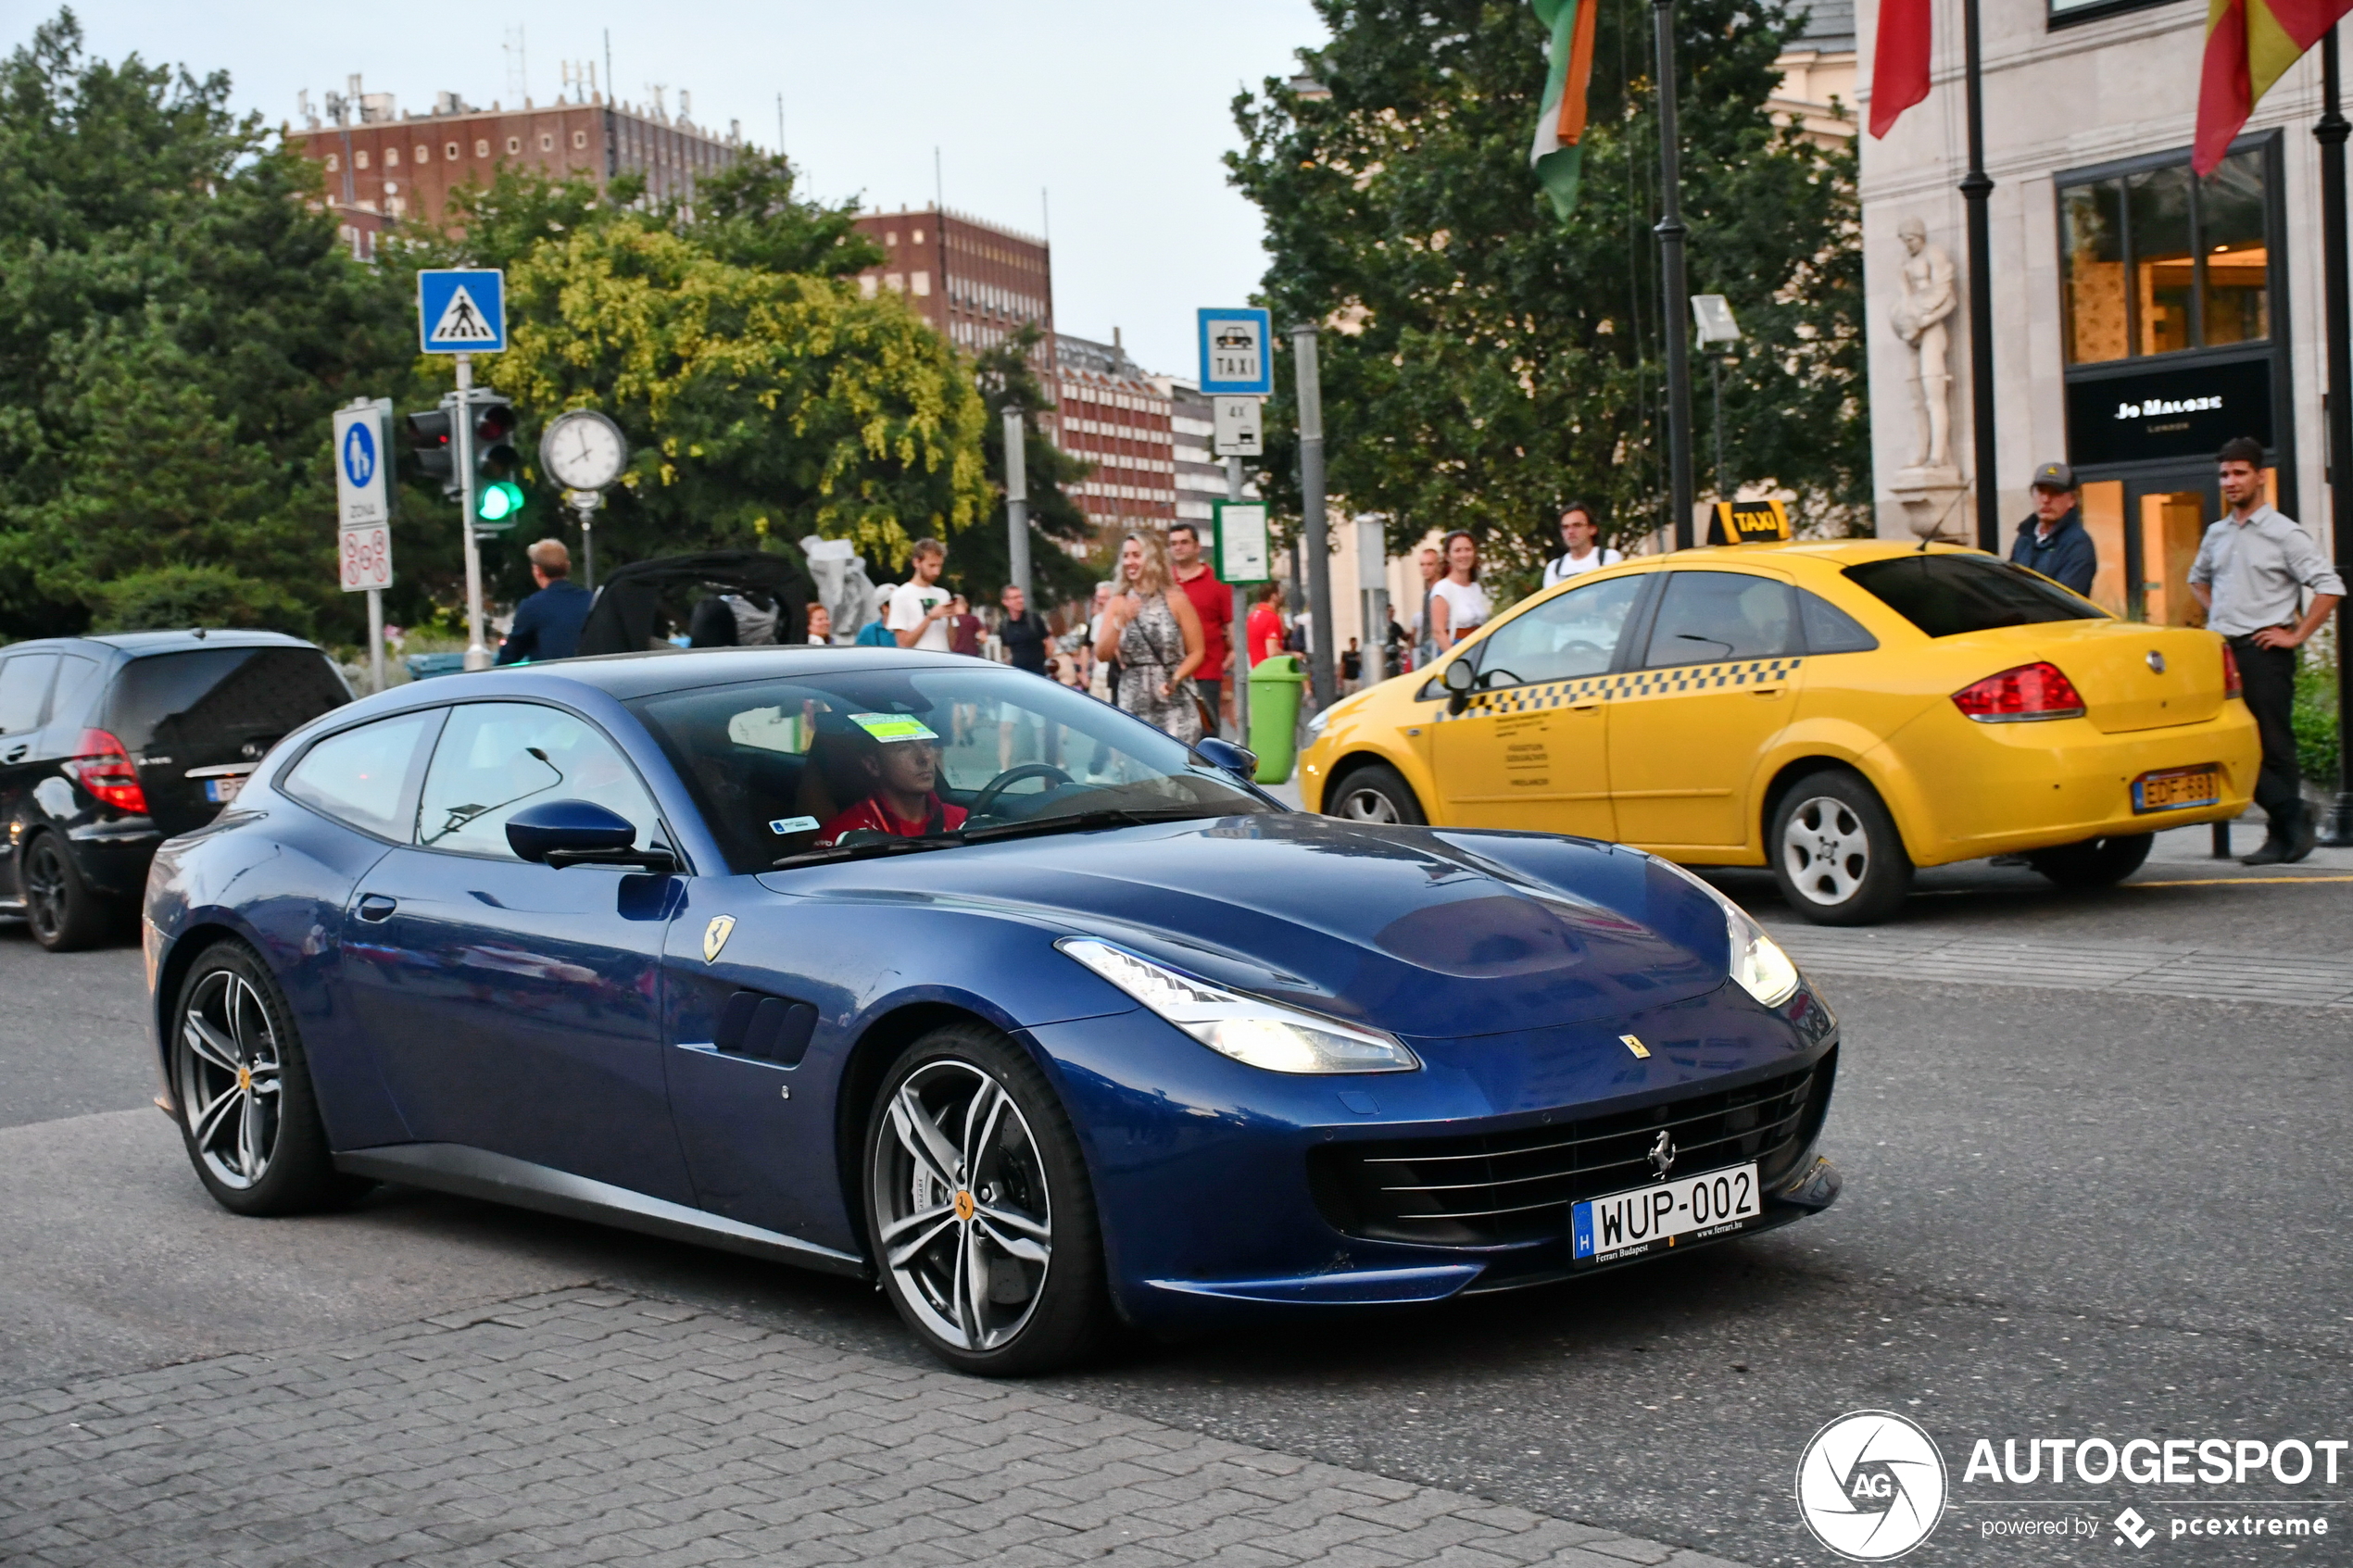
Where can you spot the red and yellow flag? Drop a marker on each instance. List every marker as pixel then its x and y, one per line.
pixel 2249 45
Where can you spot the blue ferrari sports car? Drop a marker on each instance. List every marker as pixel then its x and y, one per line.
pixel 934 972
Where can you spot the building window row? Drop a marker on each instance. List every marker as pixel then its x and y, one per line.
pixel 2158 261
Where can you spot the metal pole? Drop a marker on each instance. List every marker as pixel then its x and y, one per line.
pixel 1716 382
pixel 477 651
pixel 1314 532
pixel 2332 132
pixel 588 548
pixel 1017 499
pixel 1976 189
pixel 1671 232
pixel 376 639
pixel 1240 638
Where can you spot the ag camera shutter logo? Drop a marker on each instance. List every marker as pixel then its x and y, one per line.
pixel 1871 1485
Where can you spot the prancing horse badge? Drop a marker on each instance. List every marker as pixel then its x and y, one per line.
pixel 715 934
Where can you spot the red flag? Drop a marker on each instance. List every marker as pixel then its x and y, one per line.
pixel 1899 62
pixel 2249 45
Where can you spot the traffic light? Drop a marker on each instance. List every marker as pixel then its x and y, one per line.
pixel 428 434
pixel 498 467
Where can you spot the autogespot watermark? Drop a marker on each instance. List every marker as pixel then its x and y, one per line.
pixel 1872 1484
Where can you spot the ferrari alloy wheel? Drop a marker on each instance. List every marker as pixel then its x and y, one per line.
pixel 64 913
pixel 1375 793
pixel 984 1232
pixel 1836 852
pixel 244 1091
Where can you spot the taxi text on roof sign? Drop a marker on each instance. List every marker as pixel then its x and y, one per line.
pixel 1749 522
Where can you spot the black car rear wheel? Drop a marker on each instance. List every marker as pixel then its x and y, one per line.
pixel 979 1210
pixel 66 914
pixel 2096 862
pixel 246 1110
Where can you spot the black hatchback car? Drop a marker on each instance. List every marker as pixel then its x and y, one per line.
pixel 110 744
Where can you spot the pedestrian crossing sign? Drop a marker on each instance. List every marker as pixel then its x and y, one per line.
pixel 463 311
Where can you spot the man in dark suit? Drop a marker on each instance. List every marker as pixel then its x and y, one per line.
pixel 2053 541
pixel 547 623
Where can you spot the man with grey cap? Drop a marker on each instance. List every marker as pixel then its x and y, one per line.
pixel 2053 541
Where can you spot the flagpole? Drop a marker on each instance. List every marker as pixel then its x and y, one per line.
pixel 2330 133
pixel 1676 304
pixel 1976 189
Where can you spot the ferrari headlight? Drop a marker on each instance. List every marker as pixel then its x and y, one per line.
pixel 1763 970
pixel 1249 1029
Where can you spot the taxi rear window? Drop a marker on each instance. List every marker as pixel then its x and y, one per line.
pixel 1947 595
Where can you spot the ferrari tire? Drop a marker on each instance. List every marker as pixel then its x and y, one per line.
pixel 1836 852
pixel 247 1113
pixel 979 1208
pixel 65 912
pixel 2095 862
pixel 1374 792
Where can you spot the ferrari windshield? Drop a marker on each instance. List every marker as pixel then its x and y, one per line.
pixel 839 763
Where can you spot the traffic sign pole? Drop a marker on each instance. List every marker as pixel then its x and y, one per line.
pixel 1240 639
pixel 477 650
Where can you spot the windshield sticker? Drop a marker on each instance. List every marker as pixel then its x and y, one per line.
pixel 894 726
pixel 793 824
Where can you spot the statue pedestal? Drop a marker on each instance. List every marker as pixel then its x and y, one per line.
pixel 1934 502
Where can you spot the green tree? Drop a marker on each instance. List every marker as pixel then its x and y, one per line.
pixel 981 564
pixel 1484 359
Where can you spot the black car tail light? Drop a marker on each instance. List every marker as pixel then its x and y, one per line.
pixel 101 766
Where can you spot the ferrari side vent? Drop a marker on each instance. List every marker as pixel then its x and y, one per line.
pixel 1495 1189
pixel 771 1028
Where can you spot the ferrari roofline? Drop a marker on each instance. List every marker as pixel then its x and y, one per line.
pixel 628 675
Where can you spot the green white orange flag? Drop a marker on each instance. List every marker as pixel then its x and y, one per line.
pixel 1557 156
pixel 2249 45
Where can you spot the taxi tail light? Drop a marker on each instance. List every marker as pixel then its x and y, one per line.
pixel 101 766
pixel 2231 684
pixel 2022 695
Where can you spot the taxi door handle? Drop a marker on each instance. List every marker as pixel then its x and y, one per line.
pixel 1767 691
pixel 1583 706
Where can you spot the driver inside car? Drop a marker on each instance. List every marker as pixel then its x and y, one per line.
pixel 897 757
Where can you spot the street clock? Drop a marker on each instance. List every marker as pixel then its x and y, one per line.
pixel 582 450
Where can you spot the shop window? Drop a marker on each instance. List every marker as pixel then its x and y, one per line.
pixel 2158 261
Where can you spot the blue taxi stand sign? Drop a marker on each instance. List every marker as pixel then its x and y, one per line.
pixel 1236 352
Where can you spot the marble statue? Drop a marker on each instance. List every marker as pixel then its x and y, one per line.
pixel 1920 318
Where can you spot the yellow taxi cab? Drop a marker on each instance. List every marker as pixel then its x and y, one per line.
pixel 1843 712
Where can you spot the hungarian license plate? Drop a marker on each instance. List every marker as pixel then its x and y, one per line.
pixel 1627 1224
pixel 222 791
pixel 2177 787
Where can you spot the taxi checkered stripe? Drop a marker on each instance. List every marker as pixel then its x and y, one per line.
pixel 1633 683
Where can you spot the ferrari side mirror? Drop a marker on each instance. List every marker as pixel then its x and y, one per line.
pixel 1240 760
pixel 581 833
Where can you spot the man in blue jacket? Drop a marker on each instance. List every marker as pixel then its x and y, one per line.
pixel 547 623
pixel 2053 541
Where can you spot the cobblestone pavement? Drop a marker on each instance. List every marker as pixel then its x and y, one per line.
pixel 587 1426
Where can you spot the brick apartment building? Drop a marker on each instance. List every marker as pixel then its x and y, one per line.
pixel 977 283
pixel 382 166
pixel 1121 420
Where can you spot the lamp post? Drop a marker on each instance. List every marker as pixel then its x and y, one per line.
pixel 2332 132
pixel 1976 189
pixel 1671 232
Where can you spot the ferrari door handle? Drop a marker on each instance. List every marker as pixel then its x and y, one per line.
pixel 18 754
pixel 376 907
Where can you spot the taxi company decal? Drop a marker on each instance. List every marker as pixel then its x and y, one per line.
pixel 1619 688
pixel 715 934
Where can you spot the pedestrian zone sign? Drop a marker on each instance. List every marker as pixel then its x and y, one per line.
pixel 1242 556
pixel 363 489
pixel 1236 360
pixel 463 311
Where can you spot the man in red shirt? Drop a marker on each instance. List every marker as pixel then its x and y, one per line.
pixel 899 757
pixel 1214 602
pixel 1266 627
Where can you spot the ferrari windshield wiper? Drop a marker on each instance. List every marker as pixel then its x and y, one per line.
pixel 868 851
pixel 1104 817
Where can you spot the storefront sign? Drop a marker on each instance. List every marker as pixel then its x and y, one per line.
pixel 2160 415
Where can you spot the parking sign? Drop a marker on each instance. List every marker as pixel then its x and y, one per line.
pixel 1235 353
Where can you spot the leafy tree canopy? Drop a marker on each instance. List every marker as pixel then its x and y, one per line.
pixel 1485 360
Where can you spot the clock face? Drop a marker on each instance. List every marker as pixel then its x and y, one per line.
pixel 584 451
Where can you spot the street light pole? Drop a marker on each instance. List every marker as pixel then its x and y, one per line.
pixel 1316 535
pixel 1976 189
pixel 1671 232
pixel 477 651
pixel 2332 132
pixel 1017 499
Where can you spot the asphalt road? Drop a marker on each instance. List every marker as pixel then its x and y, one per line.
pixel 2067 1214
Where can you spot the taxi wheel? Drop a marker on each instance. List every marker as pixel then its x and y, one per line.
pixel 2096 862
pixel 1375 792
pixel 1836 852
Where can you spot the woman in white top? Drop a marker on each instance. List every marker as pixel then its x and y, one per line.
pixel 1581 535
pixel 1458 606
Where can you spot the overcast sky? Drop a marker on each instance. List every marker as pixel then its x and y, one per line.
pixel 1116 108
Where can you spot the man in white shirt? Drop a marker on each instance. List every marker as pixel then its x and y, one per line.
pixel 920 606
pixel 1582 537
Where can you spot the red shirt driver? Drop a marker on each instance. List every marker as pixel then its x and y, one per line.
pixel 899 757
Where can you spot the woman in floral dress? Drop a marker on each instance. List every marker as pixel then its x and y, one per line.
pixel 1150 629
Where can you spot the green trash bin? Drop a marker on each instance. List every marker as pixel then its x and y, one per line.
pixel 1275 682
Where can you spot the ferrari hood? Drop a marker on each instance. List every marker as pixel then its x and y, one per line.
pixel 1426 931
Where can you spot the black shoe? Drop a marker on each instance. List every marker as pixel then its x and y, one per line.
pixel 2274 852
pixel 2301 837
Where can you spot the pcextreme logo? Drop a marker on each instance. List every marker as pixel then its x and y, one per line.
pixel 1871 1485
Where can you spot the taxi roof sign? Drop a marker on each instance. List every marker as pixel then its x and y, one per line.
pixel 1749 522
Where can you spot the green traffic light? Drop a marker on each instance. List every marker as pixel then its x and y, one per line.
pixel 498 501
